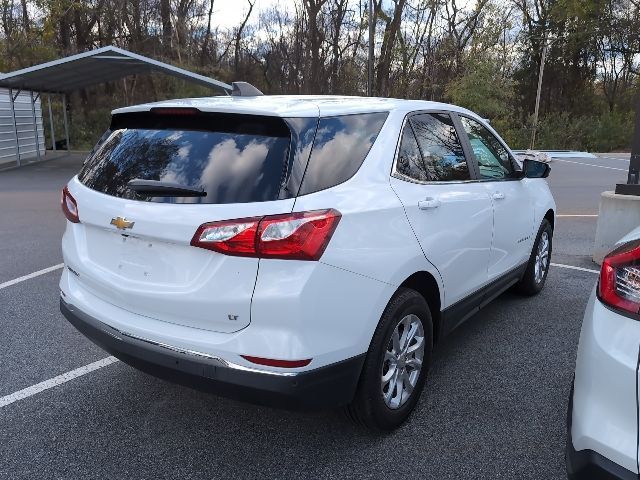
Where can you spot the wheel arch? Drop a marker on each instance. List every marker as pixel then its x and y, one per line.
pixel 550 217
pixel 426 285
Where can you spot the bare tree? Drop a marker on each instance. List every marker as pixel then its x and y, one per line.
pixel 392 26
pixel 165 18
pixel 238 38
pixel 207 36
pixel 316 38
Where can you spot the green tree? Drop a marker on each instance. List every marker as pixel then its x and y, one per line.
pixel 482 88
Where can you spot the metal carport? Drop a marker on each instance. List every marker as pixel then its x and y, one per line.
pixel 84 70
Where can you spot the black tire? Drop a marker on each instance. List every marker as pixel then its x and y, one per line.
pixel 368 407
pixel 529 285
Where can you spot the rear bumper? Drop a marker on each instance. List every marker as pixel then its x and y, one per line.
pixel 326 387
pixel 590 465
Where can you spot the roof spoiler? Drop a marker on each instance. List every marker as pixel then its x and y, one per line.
pixel 244 89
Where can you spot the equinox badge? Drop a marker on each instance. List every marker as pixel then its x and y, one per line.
pixel 121 223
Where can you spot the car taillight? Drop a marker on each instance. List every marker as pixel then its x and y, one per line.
pixel 619 285
pixel 69 206
pixel 292 236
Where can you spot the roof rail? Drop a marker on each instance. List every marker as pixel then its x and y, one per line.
pixel 244 89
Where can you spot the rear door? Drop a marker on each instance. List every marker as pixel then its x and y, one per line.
pixel 513 229
pixel 450 213
pixel 132 248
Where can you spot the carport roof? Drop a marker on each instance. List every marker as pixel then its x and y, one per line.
pixel 96 66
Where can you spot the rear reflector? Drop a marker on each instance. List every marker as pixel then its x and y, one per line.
pixel 619 285
pixel 292 236
pixel 270 362
pixel 69 206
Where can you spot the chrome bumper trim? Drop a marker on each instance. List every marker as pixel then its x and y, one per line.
pixel 116 333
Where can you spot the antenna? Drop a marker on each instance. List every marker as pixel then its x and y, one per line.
pixel 244 89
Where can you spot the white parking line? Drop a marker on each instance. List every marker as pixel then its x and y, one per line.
pixel 31 275
pixel 55 381
pixel 590 165
pixel 616 158
pixel 571 215
pixel 571 267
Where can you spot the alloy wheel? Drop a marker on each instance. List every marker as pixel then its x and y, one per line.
pixel 402 361
pixel 542 258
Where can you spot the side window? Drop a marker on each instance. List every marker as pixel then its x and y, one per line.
pixel 442 155
pixel 410 162
pixel 493 159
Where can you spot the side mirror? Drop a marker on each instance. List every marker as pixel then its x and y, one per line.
pixel 535 169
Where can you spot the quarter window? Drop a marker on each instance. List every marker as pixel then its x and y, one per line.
pixel 410 162
pixel 438 156
pixel 339 149
pixel 493 159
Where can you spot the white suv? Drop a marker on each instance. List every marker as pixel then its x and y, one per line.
pixel 298 251
pixel 602 419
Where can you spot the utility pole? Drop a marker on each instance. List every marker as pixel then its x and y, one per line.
pixel 537 109
pixel 372 30
pixel 632 187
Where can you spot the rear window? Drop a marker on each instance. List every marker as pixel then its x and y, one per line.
pixel 233 158
pixel 340 146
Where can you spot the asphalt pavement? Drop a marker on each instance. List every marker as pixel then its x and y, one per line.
pixel 494 406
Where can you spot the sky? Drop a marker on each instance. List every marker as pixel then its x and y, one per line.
pixel 229 13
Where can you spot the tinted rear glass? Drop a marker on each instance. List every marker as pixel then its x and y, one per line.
pixel 340 146
pixel 234 158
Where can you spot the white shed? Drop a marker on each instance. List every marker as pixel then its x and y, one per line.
pixel 27 131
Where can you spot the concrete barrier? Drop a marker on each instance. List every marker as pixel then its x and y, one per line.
pixel 619 214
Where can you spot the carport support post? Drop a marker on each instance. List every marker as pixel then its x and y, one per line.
pixel 66 122
pixel 15 124
pixel 51 126
pixel 35 123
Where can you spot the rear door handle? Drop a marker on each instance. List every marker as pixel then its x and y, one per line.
pixel 428 203
pixel 498 196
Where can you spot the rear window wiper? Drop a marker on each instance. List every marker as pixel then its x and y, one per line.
pixel 158 188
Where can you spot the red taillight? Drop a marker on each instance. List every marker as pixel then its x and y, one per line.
pixel 293 236
pixel 271 362
pixel 619 285
pixel 69 206
pixel 231 237
pixel 296 236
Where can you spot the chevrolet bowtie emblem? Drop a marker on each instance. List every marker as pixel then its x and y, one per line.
pixel 121 223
